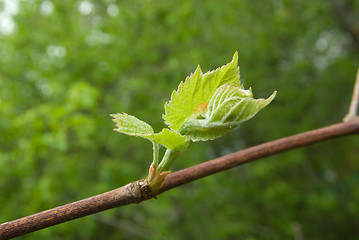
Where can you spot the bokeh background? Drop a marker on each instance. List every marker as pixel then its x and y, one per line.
pixel 66 65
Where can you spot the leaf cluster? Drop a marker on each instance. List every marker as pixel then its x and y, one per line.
pixel 204 107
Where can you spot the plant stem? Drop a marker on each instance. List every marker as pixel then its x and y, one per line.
pixel 155 154
pixel 167 160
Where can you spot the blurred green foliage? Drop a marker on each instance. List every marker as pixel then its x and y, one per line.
pixel 66 65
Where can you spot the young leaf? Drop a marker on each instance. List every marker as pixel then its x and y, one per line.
pixel 132 126
pixel 171 140
pixel 192 96
pixel 228 107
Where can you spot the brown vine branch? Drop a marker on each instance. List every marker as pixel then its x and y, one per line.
pixel 138 191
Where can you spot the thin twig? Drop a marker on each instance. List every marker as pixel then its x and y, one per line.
pixel 136 192
pixel 355 101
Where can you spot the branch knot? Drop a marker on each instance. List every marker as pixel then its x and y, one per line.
pixel 139 191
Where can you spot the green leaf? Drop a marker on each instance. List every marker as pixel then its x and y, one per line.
pixel 228 107
pixel 132 126
pixel 192 96
pixel 234 105
pixel 171 140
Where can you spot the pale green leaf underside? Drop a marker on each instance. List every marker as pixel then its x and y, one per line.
pixel 193 95
pixel 228 107
pixel 132 126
